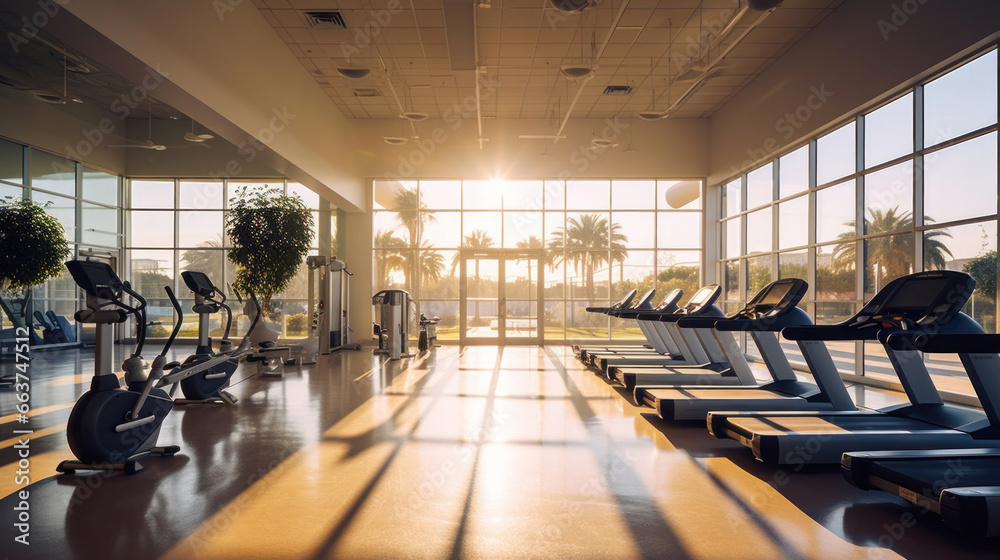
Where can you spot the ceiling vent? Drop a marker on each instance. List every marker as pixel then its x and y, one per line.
pixel 325 19
pixel 617 90
pixel 366 92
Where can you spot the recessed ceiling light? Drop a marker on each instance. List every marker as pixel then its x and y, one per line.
pixel 395 140
pixel 602 143
pixel 354 73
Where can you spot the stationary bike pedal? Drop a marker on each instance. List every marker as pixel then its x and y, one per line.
pixel 166 450
pixel 228 397
pixel 171 365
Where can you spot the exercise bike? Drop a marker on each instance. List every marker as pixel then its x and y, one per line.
pixel 112 427
pixel 208 386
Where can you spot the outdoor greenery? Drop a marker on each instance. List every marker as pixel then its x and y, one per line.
pixel 33 245
pixel 891 255
pixel 270 234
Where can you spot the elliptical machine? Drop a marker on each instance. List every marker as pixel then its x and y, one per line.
pixel 208 386
pixel 112 427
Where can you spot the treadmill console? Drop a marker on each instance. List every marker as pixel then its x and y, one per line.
pixel 670 301
pixel 774 299
pixel 705 297
pixel 921 299
pixel 646 301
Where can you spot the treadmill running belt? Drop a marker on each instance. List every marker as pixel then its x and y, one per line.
pixel 923 475
pixel 827 424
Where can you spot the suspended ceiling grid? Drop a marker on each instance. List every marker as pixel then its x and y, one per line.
pixel 521 46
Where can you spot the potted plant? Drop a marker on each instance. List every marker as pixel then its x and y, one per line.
pixel 32 249
pixel 270 233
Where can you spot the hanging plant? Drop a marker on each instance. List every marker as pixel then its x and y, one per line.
pixel 270 234
pixel 32 245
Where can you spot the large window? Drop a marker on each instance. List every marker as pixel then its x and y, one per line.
pixel 84 200
pixel 597 240
pixel 908 185
pixel 179 224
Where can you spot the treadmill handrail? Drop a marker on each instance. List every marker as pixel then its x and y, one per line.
pixel 829 332
pixel 941 343
pixel 697 322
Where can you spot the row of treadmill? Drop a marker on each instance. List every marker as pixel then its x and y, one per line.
pixel 941 457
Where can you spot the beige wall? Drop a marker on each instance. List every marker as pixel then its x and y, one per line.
pixel 76 131
pixel 229 70
pixel 215 158
pixel 863 51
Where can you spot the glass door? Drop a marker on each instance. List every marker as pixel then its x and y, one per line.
pixel 500 299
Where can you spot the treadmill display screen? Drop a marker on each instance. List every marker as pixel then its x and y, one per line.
pixel 915 295
pixel 700 298
pixel 776 294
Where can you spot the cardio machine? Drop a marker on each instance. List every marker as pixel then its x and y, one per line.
pixel 655 343
pixel 112 427
pixel 687 347
pixel 960 485
pixel 625 303
pixel 927 303
pixel 773 308
pixel 208 386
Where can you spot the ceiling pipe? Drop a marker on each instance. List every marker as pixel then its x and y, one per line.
pixel 597 57
pixel 723 33
pixel 385 72
pixel 475 50
pixel 701 81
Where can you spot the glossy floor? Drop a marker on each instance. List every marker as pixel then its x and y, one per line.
pixel 467 452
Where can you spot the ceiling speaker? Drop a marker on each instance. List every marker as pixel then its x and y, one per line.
pixel 763 5
pixel 570 5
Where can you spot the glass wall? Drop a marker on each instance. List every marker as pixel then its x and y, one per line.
pixel 908 185
pixel 179 224
pixel 84 200
pixel 598 239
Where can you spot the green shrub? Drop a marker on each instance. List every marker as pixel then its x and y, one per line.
pixel 298 323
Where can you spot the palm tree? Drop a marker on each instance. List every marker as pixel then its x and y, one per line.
pixel 533 243
pixel 891 255
pixel 431 263
pixel 211 260
pixel 587 243
pixel 389 254
pixel 411 216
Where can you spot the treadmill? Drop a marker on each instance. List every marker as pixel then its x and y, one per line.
pixel 660 342
pixel 621 304
pixel 772 309
pixel 927 303
pixel 652 340
pixel 960 485
pixel 692 346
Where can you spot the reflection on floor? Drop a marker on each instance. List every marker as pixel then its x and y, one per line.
pixel 466 452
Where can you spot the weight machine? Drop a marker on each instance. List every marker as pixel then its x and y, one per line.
pixel 328 302
pixel 392 329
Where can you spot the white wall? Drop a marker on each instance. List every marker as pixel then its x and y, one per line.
pixel 449 149
pixel 863 51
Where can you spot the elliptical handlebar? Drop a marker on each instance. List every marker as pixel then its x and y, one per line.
pixel 177 324
pixel 140 313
